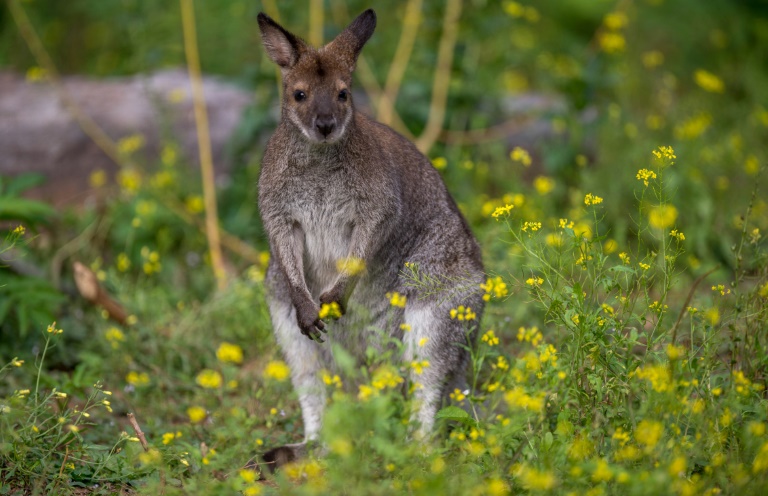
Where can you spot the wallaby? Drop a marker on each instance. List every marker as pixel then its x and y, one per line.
pixel 336 185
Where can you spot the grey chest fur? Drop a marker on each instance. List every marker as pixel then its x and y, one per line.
pixel 324 208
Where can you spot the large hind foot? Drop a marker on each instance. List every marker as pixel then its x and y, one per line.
pixel 283 455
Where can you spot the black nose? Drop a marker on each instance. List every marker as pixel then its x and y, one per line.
pixel 325 124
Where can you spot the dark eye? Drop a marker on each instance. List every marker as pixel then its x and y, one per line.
pixel 343 94
pixel 299 95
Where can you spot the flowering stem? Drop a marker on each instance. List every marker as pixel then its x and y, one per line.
pixel 40 370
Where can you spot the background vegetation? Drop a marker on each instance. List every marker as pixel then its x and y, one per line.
pixel 623 347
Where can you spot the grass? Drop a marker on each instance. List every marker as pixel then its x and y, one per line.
pixel 622 350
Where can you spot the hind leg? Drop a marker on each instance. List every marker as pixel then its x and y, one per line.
pixel 305 361
pixel 439 340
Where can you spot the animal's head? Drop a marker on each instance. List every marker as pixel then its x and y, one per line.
pixel 317 97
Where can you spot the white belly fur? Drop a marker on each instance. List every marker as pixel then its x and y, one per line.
pixel 327 233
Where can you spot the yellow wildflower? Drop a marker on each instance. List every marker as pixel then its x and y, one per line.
pixel 439 163
pixel 419 366
pixel 494 287
pixel 664 152
pixel 760 463
pixel 490 338
pixel 675 352
pixel 708 81
pixel 350 266
pixel 209 379
pixel 535 480
pixel 662 216
pixel 531 335
pixel 385 377
pixel 194 204
pixel 591 199
pixel 721 289
pixel 518 398
pixel 520 155
pixel 677 234
pixel 396 299
pixel 196 414
pixel 130 144
pixel 657 375
pixel 615 20
pixel 756 429
pixel 502 211
pixel 462 313
pixel 114 336
pixel 678 467
pixel 229 353
pixel 52 329
pixel 581 448
pixel 543 184
pixel 98 178
pixel 36 74
pixel 602 472
pixel 648 433
pixel 653 58
pixel 535 282
pixel 624 258
pixel 611 41
pixel 644 175
pixel 365 392
pixel 693 127
pixel 278 370
pixel 331 380
pixel 330 310
pixel 170 436
pixel 457 395
pixel 137 378
pixel 123 263
pixel 533 226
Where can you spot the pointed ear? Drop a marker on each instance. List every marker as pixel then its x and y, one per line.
pixel 282 47
pixel 349 42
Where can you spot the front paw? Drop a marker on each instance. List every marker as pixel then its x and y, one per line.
pixel 308 317
pixel 334 295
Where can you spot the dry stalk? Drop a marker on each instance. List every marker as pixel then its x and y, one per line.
pixel 316 22
pixel 442 77
pixel 203 141
pixel 411 23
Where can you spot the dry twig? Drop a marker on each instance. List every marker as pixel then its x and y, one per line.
pixel 138 431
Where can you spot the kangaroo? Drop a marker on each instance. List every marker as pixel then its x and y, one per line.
pixel 335 185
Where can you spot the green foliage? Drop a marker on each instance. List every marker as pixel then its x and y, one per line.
pixel 15 208
pixel 25 302
pixel 622 349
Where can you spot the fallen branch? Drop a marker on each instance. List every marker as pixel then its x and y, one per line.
pixel 88 285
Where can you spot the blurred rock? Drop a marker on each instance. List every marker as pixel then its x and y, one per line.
pixel 37 134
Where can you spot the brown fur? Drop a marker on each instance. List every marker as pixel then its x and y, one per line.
pixel 336 184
